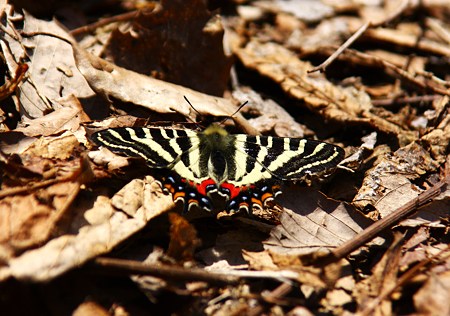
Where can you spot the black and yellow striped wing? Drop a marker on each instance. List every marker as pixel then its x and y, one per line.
pixel 283 158
pixel 243 168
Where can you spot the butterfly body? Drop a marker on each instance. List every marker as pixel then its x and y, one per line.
pixel 245 169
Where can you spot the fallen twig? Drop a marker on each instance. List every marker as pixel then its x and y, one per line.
pixel 361 30
pixel 392 219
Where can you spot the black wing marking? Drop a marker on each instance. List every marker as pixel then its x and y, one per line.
pixel 264 157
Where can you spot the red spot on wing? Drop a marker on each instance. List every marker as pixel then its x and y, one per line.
pixel 201 188
pixel 234 190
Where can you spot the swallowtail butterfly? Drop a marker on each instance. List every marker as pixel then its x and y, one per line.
pixel 245 169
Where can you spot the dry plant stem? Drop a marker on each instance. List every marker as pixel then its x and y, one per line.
pixel 10 86
pixel 274 295
pixel 187 275
pixel 405 100
pixel 402 7
pixel 173 273
pixel 373 60
pixel 392 219
pixel 341 48
pixel 369 309
pixel 118 18
pixel 438 29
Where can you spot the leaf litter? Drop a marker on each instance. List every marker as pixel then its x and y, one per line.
pixel 70 210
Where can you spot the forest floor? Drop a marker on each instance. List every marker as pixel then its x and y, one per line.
pixel 84 231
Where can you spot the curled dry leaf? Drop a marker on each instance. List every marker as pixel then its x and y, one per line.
pixel 108 227
pixel 346 105
pixel 48 79
pixel 388 185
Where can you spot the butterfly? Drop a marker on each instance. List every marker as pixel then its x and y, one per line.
pixel 246 170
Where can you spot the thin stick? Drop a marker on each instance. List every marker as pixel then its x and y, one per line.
pixel 400 9
pixel 177 273
pixel 339 51
pixel 105 21
pixel 173 273
pixel 392 219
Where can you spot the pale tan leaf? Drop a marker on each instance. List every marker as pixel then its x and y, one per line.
pixel 163 97
pixel 67 117
pixel 311 222
pixel 344 104
pixel 434 297
pixel 388 185
pixel 60 147
pixel 52 72
pixel 106 230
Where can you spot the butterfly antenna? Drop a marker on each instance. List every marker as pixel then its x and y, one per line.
pixel 231 116
pixel 190 104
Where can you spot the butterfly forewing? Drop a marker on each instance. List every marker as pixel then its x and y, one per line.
pixel 161 148
pixel 285 158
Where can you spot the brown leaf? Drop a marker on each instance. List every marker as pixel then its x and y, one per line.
pixel 66 118
pixel 106 230
pixel 50 78
pixel 372 293
pixel 434 297
pixel 61 147
pixel 311 222
pixel 28 220
pixel 163 97
pixel 343 104
pixel 388 185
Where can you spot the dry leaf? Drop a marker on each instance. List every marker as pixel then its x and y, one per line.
pixel 183 238
pixel 70 251
pixel 311 222
pixel 371 292
pixel 48 79
pixel 346 105
pixel 434 297
pixel 28 220
pixel 388 185
pixel 66 118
